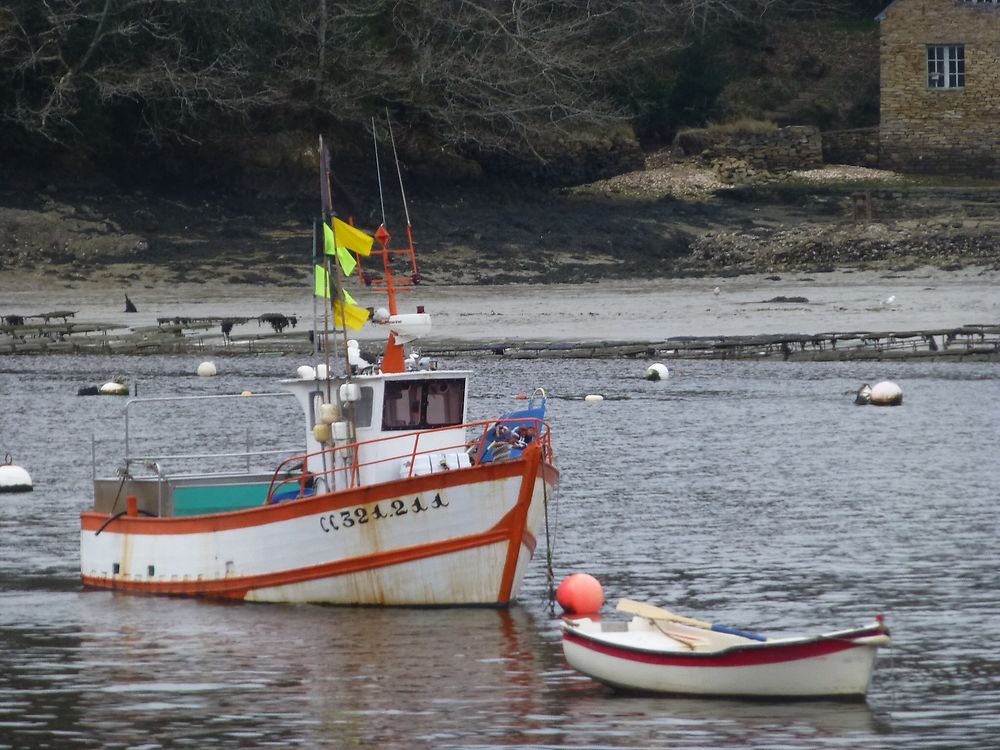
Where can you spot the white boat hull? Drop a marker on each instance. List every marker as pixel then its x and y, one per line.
pixel 461 537
pixel 643 659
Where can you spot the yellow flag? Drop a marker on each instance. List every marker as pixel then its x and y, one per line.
pixel 347 261
pixel 354 318
pixel 352 238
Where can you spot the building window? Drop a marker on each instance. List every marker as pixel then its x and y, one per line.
pixel 946 66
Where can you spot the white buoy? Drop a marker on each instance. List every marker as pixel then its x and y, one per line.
pixel 13 478
pixel 657 372
pixel 113 388
pixel 206 370
pixel 593 397
pixel 305 372
pixel 321 371
pixel 350 392
pixel 886 393
pixel 329 413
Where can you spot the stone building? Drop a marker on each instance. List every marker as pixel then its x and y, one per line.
pixel 940 87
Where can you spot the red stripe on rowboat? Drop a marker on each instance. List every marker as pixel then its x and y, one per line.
pixel 738 656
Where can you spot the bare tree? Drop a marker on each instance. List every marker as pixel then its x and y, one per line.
pixel 471 74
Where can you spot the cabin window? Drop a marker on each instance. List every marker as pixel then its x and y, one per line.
pixel 946 66
pixel 444 402
pixel 363 407
pixel 422 404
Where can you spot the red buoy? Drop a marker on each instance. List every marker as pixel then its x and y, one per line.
pixel 580 594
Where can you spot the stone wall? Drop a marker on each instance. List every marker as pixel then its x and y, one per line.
pixel 940 131
pixel 793 147
pixel 858 146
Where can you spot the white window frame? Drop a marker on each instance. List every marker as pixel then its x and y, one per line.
pixel 945 66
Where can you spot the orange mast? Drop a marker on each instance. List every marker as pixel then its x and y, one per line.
pixel 392 359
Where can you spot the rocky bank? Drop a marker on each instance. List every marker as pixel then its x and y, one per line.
pixel 676 217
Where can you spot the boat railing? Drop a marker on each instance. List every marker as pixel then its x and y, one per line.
pixel 148 461
pixel 295 470
pixel 133 458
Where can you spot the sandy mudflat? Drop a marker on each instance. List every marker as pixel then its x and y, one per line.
pixel 648 310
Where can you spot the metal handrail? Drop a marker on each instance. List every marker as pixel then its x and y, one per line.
pixel 542 438
pixel 173 399
pixel 241 454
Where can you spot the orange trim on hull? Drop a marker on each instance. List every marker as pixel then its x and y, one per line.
pixel 510 527
pixel 533 457
pixel 267 514
pixel 238 587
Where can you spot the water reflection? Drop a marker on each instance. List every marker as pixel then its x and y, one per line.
pixel 274 675
pixel 752 494
pixel 714 723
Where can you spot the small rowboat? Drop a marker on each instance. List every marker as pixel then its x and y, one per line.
pixel 660 652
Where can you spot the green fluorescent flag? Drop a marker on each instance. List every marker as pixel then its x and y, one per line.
pixel 347 261
pixel 355 317
pixel 323 286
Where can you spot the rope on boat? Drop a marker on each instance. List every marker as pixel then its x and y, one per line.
pixel 674 636
pixel 399 171
pixel 549 535
pixel 378 171
pixel 121 513
pixel 118 495
pixel 549 574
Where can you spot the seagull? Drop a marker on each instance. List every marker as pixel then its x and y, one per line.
pixel 716 290
pixel 889 300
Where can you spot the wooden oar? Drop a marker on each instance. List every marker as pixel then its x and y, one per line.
pixel 658 613
pixel 684 640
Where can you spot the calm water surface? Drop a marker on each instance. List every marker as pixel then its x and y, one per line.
pixel 754 494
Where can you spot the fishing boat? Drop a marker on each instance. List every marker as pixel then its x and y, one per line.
pixel 660 652
pixel 394 498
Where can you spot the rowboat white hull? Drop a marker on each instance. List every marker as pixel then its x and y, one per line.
pixel 645 658
pixel 461 537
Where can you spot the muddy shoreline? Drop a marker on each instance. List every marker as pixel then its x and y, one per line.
pixel 592 319
pixel 672 220
pixel 668 251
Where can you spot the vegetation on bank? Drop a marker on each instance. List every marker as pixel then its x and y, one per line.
pixel 557 90
pixel 180 136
